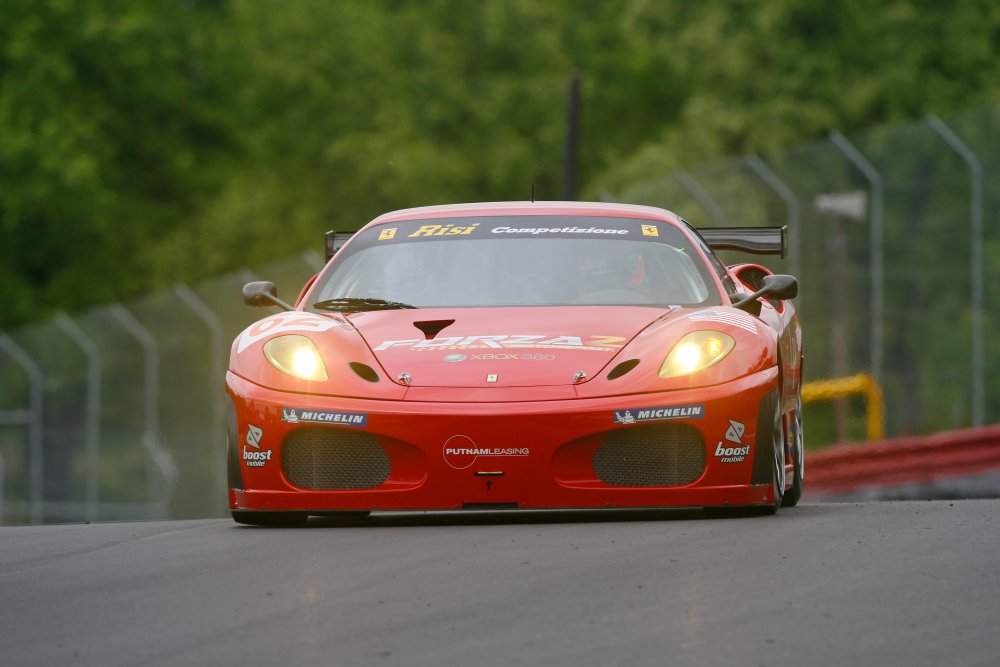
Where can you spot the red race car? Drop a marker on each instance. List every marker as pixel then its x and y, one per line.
pixel 521 355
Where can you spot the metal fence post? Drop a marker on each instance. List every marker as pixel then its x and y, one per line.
pixel 876 235
pixel 151 394
pixel 793 220
pixel 976 242
pixel 93 410
pixel 36 397
pixel 710 205
pixel 216 381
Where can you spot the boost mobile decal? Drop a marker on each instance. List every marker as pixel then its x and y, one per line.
pixel 734 434
pixel 255 458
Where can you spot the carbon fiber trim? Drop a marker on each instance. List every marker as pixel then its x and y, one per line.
pixel 233 469
pixel 763 451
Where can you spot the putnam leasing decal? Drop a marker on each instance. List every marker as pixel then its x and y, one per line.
pixel 599 343
pixel 303 416
pixel 460 451
pixel 636 415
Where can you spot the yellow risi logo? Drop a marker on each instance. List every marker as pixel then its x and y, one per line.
pixel 443 230
pixel 387 234
pixel 650 230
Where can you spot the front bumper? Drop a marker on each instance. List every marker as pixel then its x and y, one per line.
pixel 533 454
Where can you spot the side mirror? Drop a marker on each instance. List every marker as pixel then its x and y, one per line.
pixel 263 293
pixel 780 286
pixel 775 286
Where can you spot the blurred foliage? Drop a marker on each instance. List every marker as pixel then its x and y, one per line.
pixel 145 143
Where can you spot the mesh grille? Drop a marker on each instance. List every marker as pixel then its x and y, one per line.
pixel 652 455
pixel 753 277
pixel 329 458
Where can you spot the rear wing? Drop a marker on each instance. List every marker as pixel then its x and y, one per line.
pixel 755 240
pixel 335 241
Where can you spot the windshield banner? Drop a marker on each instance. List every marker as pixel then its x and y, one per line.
pixel 542 226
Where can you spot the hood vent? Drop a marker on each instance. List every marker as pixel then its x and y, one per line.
pixel 622 368
pixel 431 328
pixel 364 371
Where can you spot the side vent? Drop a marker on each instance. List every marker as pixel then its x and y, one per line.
pixel 622 368
pixel 364 371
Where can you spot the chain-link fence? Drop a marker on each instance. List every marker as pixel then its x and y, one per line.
pixel 894 239
pixel 117 412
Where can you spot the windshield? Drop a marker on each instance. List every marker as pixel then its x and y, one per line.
pixel 516 261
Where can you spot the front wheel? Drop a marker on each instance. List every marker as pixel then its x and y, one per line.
pixel 286 519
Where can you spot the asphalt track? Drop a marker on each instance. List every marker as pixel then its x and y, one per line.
pixel 884 583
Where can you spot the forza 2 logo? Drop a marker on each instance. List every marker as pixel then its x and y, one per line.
pixel 599 343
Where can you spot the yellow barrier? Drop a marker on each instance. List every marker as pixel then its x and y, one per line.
pixel 828 390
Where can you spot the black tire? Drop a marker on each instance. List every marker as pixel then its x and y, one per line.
pixel 794 494
pixel 286 519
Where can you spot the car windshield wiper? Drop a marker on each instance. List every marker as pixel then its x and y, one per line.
pixel 356 304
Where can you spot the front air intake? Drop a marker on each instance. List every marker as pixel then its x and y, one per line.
pixel 333 459
pixel 651 455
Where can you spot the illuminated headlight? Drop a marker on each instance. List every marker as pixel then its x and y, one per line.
pixel 696 351
pixel 297 356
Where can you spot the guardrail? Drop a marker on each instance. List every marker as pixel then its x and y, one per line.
pixel 864 384
pixel 845 468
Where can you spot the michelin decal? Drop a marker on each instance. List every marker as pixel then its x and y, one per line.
pixel 666 413
pixel 304 416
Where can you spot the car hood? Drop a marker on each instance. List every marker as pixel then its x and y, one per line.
pixel 502 347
